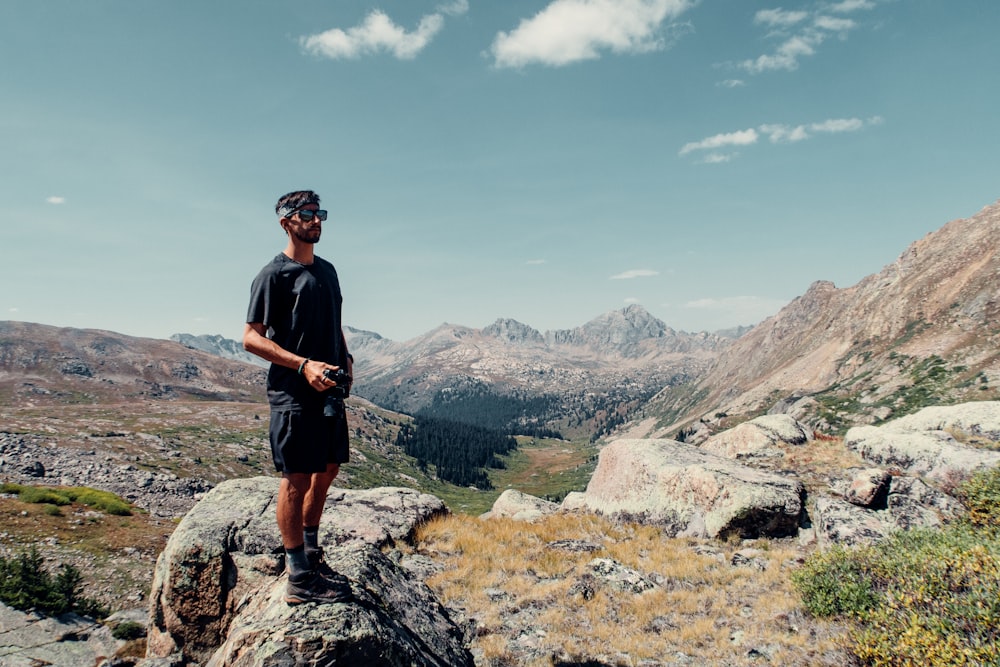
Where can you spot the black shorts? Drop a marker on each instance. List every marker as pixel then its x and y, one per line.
pixel 306 441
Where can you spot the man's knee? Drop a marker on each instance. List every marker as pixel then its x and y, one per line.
pixel 294 484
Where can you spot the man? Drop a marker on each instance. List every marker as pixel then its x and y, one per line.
pixel 294 322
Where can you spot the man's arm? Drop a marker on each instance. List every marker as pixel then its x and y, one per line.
pixel 347 353
pixel 255 341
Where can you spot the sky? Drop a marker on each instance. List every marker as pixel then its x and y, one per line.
pixel 547 161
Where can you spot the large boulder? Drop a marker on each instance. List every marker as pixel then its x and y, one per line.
pixel 760 437
pixel 30 640
pixel 977 418
pixel 874 504
pixel 217 588
pixel 520 506
pixel 690 491
pixel 394 620
pixel 924 443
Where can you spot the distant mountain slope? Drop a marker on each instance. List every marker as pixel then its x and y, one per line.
pixel 41 364
pixel 226 348
pixel 597 371
pixel 926 325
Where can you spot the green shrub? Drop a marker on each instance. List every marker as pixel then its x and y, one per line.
pixel 104 501
pixel 101 500
pixel 981 495
pixel 129 630
pixel 927 597
pixel 43 495
pixel 25 585
pixel 833 582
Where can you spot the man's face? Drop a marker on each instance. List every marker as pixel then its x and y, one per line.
pixel 305 231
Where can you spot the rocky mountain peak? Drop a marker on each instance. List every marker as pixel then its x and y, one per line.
pixel 513 331
pixel 620 330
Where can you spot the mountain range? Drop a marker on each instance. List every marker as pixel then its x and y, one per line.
pixel 924 329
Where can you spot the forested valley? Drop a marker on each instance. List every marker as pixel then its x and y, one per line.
pixel 463 433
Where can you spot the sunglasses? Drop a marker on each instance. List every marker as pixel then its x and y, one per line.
pixel 305 215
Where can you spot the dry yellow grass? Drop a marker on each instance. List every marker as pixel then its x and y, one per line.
pixel 537 605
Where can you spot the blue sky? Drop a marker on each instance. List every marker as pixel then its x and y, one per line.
pixel 544 160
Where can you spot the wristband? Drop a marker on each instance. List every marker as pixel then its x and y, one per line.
pixel 303 365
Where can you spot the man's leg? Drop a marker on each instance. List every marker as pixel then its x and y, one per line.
pixel 312 512
pixel 315 497
pixel 291 498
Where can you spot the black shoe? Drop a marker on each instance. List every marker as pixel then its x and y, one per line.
pixel 312 587
pixel 315 557
pixel 318 564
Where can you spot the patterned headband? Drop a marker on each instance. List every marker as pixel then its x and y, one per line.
pixel 304 199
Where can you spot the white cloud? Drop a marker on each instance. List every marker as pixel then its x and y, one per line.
pixel 779 17
pixel 718 158
pixel 834 24
pixel 569 31
pixel 851 5
pixel 456 8
pixel 733 83
pixel 56 200
pixel 739 138
pixel 634 273
pixel 800 37
pixel 786 57
pixel 377 33
pixel 835 125
pixel 786 133
pixel 535 262
pixel 777 133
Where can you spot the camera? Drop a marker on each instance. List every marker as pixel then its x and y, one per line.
pixel 343 383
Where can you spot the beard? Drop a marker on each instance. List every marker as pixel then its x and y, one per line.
pixel 307 235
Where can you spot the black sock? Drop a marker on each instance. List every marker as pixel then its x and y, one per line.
pixel 298 563
pixel 311 535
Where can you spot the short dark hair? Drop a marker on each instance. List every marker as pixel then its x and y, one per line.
pixel 294 201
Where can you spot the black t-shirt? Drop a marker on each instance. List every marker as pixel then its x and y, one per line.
pixel 301 307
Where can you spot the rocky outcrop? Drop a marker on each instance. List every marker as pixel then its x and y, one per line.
pixel 520 507
pixel 876 504
pixel 217 591
pixel 976 419
pixel 924 443
pixel 758 437
pixel 868 504
pixel 690 491
pixel 703 491
pixel 30 640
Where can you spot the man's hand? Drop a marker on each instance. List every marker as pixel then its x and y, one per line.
pixel 313 372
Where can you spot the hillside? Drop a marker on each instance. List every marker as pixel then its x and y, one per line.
pixel 86 403
pixel 924 329
pixel 159 423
